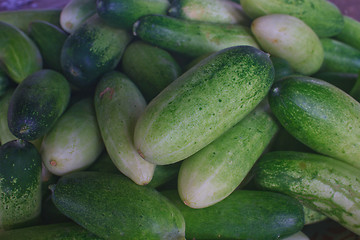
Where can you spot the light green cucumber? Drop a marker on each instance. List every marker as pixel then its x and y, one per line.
pixel 74 142
pixel 324 184
pixel 324 17
pixel 216 11
pixel 290 38
pixel 192 38
pixel 75 12
pixel 214 172
pixel 319 115
pixel 350 34
pixel 118 105
pixel 203 103
pixel 19 56
pixel 312 216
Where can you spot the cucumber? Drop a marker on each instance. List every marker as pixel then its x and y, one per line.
pixel 290 38
pixel 118 105
pixel 75 12
pixel 355 90
pixel 324 17
pixel 319 115
pixel 124 13
pixel 5 83
pixel 92 50
pixel 49 39
pixel 149 67
pixel 19 56
pixel 114 207
pixel 344 81
pixel 216 11
pixel 340 57
pixel 192 38
pixel 20 184
pixel 322 183
pixel 214 172
pixel 350 33
pixel 282 67
pixel 284 141
pixel 203 103
pixel 244 214
pixel 74 142
pixel 297 236
pixel 5 133
pixel 312 216
pixel 37 103
pixel 103 164
pixel 56 231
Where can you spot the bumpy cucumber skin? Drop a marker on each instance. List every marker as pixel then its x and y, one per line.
pixel 113 207
pixel 214 172
pixel 74 142
pixel 322 183
pixel 321 15
pixel 350 34
pixel 57 231
pixel 240 214
pixel 37 103
pixel 191 38
pixel 92 50
pixel 20 184
pixel 320 115
pixel 19 56
pixel 118 105
pixel 203 103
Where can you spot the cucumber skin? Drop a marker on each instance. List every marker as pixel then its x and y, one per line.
pixel 191 38
pixel 319 115
pixel 350 34
pixel 114 207
pixel 203 103
pixel 322 183
pixel 37 103
pixel 240 214
pixel 20 184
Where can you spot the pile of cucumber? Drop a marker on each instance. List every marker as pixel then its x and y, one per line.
pixel 181 119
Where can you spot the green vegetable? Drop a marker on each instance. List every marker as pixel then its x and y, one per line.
pixel 350 33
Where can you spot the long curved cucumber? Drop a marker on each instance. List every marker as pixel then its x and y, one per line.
pixel 118 105
pixel 203 103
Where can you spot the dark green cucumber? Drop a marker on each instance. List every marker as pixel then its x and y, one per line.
pixel 324 184
pixel 189 37
pixel 56 231
pixel 203 103
pixel 124 13
pixel 344 81
pixel 91 50
pixel 282 67
pixel 19 55
pixel 350 33
pixel 20 184
pixel 37 103
pixel 49 39
pixel 149 67
pixel 113 207
pixel 244 214
pixel 5 134
pixel 320 115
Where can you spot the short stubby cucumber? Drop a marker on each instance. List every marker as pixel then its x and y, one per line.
pixel 290 38
pixel 74 142
pixel 118 105
pixel 325 184
pixel 214 172
pixel 320 115
pixel 203 103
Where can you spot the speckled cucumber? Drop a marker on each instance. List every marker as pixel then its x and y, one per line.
pixel 203 103
pixel 240 215
pixel 320 115
pixel 192 38
pixel 322 183
pixel 118 105
pixel 213 173
pixel 20 185
pixel 114 207
pixel 74 142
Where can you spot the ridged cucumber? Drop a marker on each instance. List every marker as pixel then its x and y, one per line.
pixel 322 183
pixel 214 172
pixel 74 142
pixel 114 207
pixel 350 33
pixel 192 38
pixel 118 105
pixel 20 185
pixel 320 115
pixel 203 103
